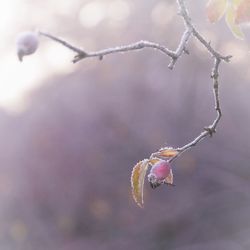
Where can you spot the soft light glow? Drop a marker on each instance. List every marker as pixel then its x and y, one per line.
pixel 92 14
pixel 15 79
pixel 18 79
pixel 57 58
pixel 118 10
pixel 8 11
pixel 162 13
pixel 239 52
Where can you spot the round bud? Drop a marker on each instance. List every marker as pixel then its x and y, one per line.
pixel 27 43
pixel 158 173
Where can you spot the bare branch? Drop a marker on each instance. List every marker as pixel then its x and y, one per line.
pixel 181 47
pixel 119 49
pixel 61 41
pixel 174 56
pixel 188 23
pixel 210 130
pixel 81 54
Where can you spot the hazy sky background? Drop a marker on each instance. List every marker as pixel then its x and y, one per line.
pixel 17 79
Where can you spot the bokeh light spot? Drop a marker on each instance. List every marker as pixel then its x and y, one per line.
pixel 18 231
pixel 118 10
pixel 162 13
pixel 91 14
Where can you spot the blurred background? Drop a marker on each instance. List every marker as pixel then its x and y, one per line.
pixel 71 134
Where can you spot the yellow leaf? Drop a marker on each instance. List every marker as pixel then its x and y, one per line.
pixel 170 178
pixel 215 9
pixel 243 12
pixel 137 181
pixel 230 19
pixel 167 152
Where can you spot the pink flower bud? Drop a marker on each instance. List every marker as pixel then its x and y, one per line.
pixel 158 173
pixel 27 43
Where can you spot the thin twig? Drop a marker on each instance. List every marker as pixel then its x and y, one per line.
pixel 82 54
pixel 61 41
pixel 210 130
pixel 181 47
pixel 125 48
pixel 188 23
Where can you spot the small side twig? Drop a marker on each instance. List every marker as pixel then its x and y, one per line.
pixel 188 23
pixel 82 54
pixel 125 48
pixel 181 47
pixel 61 41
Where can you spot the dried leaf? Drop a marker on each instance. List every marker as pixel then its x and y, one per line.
pixel 230 19
pixel 215 9
pixel 167 152
pixel 170 178
pixel 137 181
pixel 243 12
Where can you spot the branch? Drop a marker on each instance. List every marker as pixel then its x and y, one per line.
pixel 64 43
pixel 82 54
pixel 210 130
pixel 190 30
pixel 188 23
pixel 125 48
